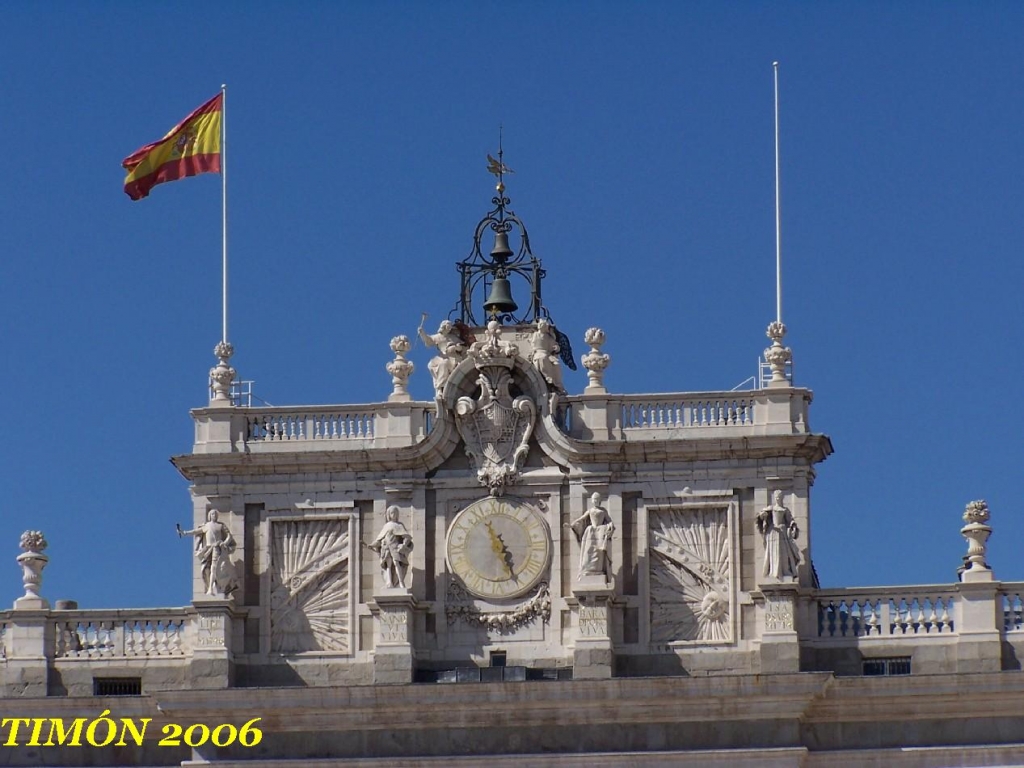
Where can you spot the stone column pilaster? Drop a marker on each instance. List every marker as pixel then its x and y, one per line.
pixel 979 641
pixel 593 656
pixel 393 614
pixel 777 626
pixel 29 643
pixel 213 664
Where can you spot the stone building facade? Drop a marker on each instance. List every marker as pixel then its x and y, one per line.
pixel 514 575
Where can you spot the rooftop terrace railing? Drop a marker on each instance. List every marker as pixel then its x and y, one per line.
pixel 606 417
pixel 132 633
pixel 669 412
pixel 888 612
pixel 289 425
pixel 1011 607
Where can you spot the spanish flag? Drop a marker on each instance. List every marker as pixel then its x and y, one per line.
pixel 190 148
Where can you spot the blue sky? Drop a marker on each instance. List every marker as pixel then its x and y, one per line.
pixel 641 134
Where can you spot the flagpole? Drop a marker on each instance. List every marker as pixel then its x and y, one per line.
pixel 777 357
pixel 224 208
pixel 778 215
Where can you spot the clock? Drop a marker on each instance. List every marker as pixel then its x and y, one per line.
pixel 499 547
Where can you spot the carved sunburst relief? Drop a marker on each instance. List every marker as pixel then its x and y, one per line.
pixel 309 588
pixel 691 555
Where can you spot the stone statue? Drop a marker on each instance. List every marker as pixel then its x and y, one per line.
pixel 594 529
pixel 776 525
pixel 451 349
pixel 393 544
pixel 214 545
pixel 545 354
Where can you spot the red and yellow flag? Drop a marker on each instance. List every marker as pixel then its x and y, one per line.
pixel 190 148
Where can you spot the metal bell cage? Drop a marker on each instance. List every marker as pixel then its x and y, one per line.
pixel 489 274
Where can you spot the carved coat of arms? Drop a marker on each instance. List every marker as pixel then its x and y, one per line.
pixel 495 426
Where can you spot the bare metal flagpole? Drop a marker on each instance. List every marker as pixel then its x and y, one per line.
pixel 224 206
pixel 777 357
pixel 778 212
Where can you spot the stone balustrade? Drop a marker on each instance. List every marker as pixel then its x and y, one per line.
pixel 290 424
pixel 593 417
pixel 1011 608
pixel 646 412
pixel 97 634
pixel 890 612
pixel 712 415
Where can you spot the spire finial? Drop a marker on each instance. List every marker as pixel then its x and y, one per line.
pixel 498 167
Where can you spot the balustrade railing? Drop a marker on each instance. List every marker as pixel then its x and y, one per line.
pixel 319 425
pixel 1011 602
pixel 886 612
pixel 610 417
pixel 674 412
pixel 112 634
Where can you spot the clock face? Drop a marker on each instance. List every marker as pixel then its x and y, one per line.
pixel 499 547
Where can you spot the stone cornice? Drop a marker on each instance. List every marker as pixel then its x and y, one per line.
pixel 811 448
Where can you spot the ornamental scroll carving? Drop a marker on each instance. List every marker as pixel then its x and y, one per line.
pixel 309 587
pixel 495 425
pixel 691 555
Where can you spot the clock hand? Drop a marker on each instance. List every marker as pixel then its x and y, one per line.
pixel 500 549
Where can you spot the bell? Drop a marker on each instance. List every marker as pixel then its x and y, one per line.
pixel 500 301
pixel 500 252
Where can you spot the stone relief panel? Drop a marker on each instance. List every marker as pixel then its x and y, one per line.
pixel 497 424
pixel 310 587
pixel 691 575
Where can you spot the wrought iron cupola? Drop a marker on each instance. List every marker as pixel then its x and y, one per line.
pixel 488 275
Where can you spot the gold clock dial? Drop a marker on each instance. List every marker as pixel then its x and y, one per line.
pixel 499 547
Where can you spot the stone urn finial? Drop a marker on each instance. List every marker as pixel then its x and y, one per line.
pixel 595 361
pixel 977 531
pixel 778 356
pixel 400 369
pixel 32 562
pixel 222 374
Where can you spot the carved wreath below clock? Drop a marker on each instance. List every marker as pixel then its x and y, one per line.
pixel 499 547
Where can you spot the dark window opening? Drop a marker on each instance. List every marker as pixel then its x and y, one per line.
pixel 897 665
pixel 117 686
pixel 503 674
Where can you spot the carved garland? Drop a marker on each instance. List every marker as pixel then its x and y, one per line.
pixel 459 606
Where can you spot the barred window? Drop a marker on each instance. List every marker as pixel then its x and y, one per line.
pixel 896 665
pixel 117 686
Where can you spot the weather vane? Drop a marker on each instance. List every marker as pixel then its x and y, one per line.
pixel 498 167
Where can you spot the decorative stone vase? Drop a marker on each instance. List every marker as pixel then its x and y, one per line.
pixel 595 361
pixel 778 356
pixel 32 562
pixel 400 368
pixel 976 515
pixel 222 374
